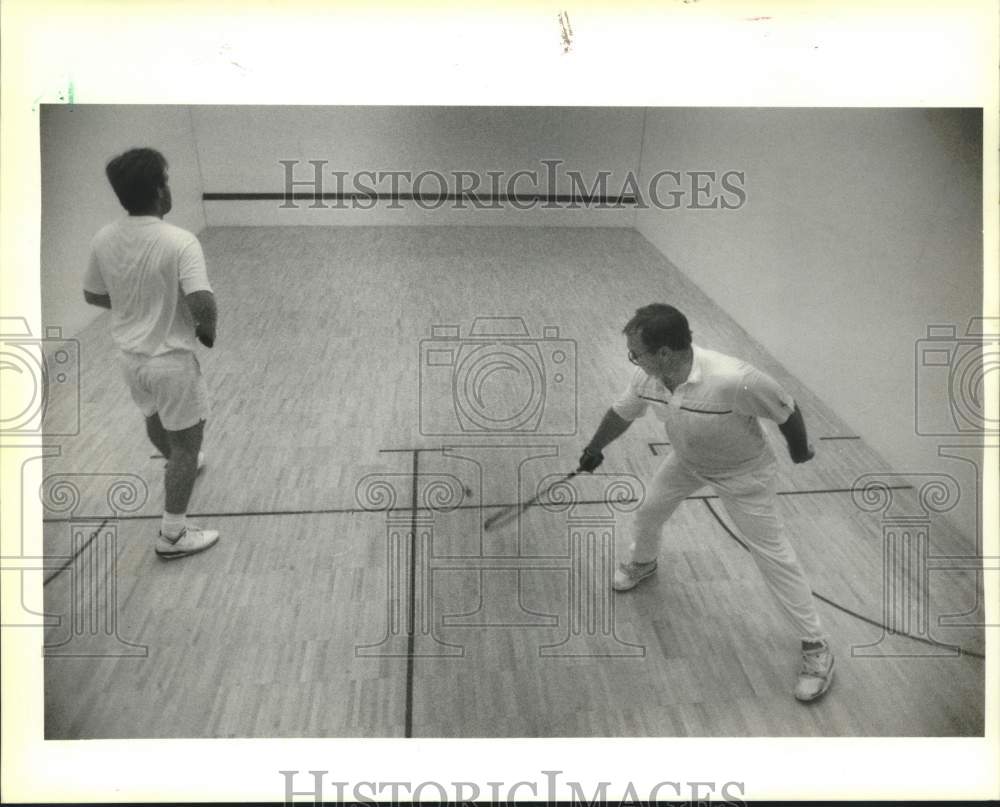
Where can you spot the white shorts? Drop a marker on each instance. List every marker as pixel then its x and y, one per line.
pixel 170 385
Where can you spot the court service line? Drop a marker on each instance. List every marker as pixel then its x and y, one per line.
pixel 339 511
pixel 844 608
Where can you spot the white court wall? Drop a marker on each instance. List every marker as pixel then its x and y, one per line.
pixel 76 143
pixel 240 149
pixel 861 229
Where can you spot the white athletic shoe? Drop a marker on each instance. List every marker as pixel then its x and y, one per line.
pixel 191 541
pixel 629 575
pixel 816 674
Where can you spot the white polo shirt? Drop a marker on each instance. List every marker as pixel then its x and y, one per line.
pixel 711 418
pixel 147 266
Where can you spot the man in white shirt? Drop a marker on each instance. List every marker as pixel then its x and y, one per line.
pixel 152 276
pixel 709 404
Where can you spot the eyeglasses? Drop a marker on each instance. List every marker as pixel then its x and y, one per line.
pixel 634 357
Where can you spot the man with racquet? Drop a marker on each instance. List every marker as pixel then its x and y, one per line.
pixel 709 404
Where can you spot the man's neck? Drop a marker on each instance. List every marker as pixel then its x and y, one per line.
pixel 156 211
pixel 674 376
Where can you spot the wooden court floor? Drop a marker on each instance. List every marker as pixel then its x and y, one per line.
pixel 352 461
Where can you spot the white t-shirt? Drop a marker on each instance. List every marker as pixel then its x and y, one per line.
pixel 711 418
pixel 147 266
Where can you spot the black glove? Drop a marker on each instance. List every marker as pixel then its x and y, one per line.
pixel 590 460
pixel 203 337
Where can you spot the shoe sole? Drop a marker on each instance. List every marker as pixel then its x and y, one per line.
pixel 187 552
pixel 823 691
pixel 634 583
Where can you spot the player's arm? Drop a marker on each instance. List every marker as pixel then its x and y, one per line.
pixel 95 291
pixel 612 427
pixel 100 300
pixel 193 276
pixel 794 430
pixel 761 396
pixel 205 313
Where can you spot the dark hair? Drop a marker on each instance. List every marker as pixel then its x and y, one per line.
pixel 660 325
pixel 136 176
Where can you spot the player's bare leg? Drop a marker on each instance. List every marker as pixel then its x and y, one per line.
pixel 158 435
pixel 177 537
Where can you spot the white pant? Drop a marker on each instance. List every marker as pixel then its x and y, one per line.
pixel 749 500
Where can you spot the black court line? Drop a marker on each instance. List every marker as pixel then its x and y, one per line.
pixel 847 610
pixel 408 450
pixel 652 446
pixel 76 554
pixel 410 632
pixel 832 490
pixel 380 451
pixel 340 511
pixel 493 199
pixel 333 511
